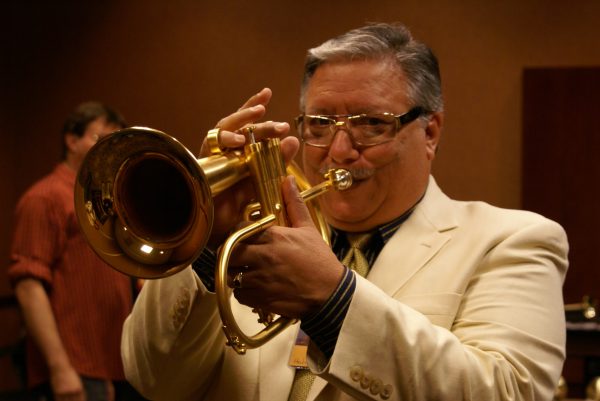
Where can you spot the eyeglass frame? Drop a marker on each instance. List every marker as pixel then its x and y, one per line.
pixel 400 121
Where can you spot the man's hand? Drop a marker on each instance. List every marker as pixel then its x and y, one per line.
pixel 230 204
pixel 66 384
pixel 289 271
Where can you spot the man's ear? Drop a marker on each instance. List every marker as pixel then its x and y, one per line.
pixel 433 132
pixel 71 141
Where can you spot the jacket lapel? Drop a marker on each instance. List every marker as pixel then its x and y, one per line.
pixel 318 385
pixel 419 238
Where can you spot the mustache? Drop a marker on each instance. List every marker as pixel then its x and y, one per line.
pixel 357 173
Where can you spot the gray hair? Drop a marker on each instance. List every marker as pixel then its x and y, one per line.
pixel 381 41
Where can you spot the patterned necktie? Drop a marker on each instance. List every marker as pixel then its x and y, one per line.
pixel 355 260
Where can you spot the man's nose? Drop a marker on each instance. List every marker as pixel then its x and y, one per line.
pixel 342 146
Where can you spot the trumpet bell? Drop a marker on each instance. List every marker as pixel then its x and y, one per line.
pixel 144 203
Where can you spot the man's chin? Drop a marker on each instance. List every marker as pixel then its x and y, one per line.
pixel 345 213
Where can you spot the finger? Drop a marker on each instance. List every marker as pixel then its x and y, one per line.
pixel 229 135
pixel 228 139
pixel 242 117
pixel 262 237
pixel 289 148
pixel 253 109
pixel 247 297
pixel 294 204
pixel 269 129
pixel 239 257
pixel 263 97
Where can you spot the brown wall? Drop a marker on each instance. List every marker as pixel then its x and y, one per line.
pixel 179 66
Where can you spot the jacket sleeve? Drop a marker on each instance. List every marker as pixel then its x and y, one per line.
pixel 172 342
pixel 492 330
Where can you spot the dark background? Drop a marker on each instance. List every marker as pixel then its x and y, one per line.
pixel 179 66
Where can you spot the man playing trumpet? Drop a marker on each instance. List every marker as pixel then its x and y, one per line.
pixel 418 297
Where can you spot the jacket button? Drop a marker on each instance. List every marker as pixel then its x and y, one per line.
pixel 376 386
pixel 366 380
pixel 356 373
pixel 386 391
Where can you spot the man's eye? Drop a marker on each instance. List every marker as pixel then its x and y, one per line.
pixel 319 122
pixel 372 121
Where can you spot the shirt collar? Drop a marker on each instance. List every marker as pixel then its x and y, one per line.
pixel 384 231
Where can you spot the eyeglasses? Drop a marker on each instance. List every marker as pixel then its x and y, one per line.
pixel 364 129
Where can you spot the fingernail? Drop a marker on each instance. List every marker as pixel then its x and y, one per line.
pixel 281 126
pixel 293 182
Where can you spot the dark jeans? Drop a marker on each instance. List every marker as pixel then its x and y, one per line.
pixel 95 390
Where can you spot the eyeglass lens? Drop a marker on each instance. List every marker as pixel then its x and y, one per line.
pixel 366 129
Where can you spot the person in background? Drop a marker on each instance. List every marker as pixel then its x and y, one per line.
pixel 73 304
pixel 421 297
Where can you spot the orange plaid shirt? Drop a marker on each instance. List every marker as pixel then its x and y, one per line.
pixel 90 300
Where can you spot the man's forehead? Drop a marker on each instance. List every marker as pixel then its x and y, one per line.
pixel 101 127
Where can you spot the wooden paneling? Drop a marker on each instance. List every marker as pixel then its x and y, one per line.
pixel 561 177
pixel 561 164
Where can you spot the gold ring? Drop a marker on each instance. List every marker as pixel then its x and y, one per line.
pixel 237 280
pixel 212 140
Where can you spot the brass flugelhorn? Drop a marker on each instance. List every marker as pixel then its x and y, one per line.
pixel 145 204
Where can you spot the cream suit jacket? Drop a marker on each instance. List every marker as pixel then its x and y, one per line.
pixel 463 303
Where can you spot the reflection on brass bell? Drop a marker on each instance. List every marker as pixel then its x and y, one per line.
pixel 592 391
pixel 560 393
